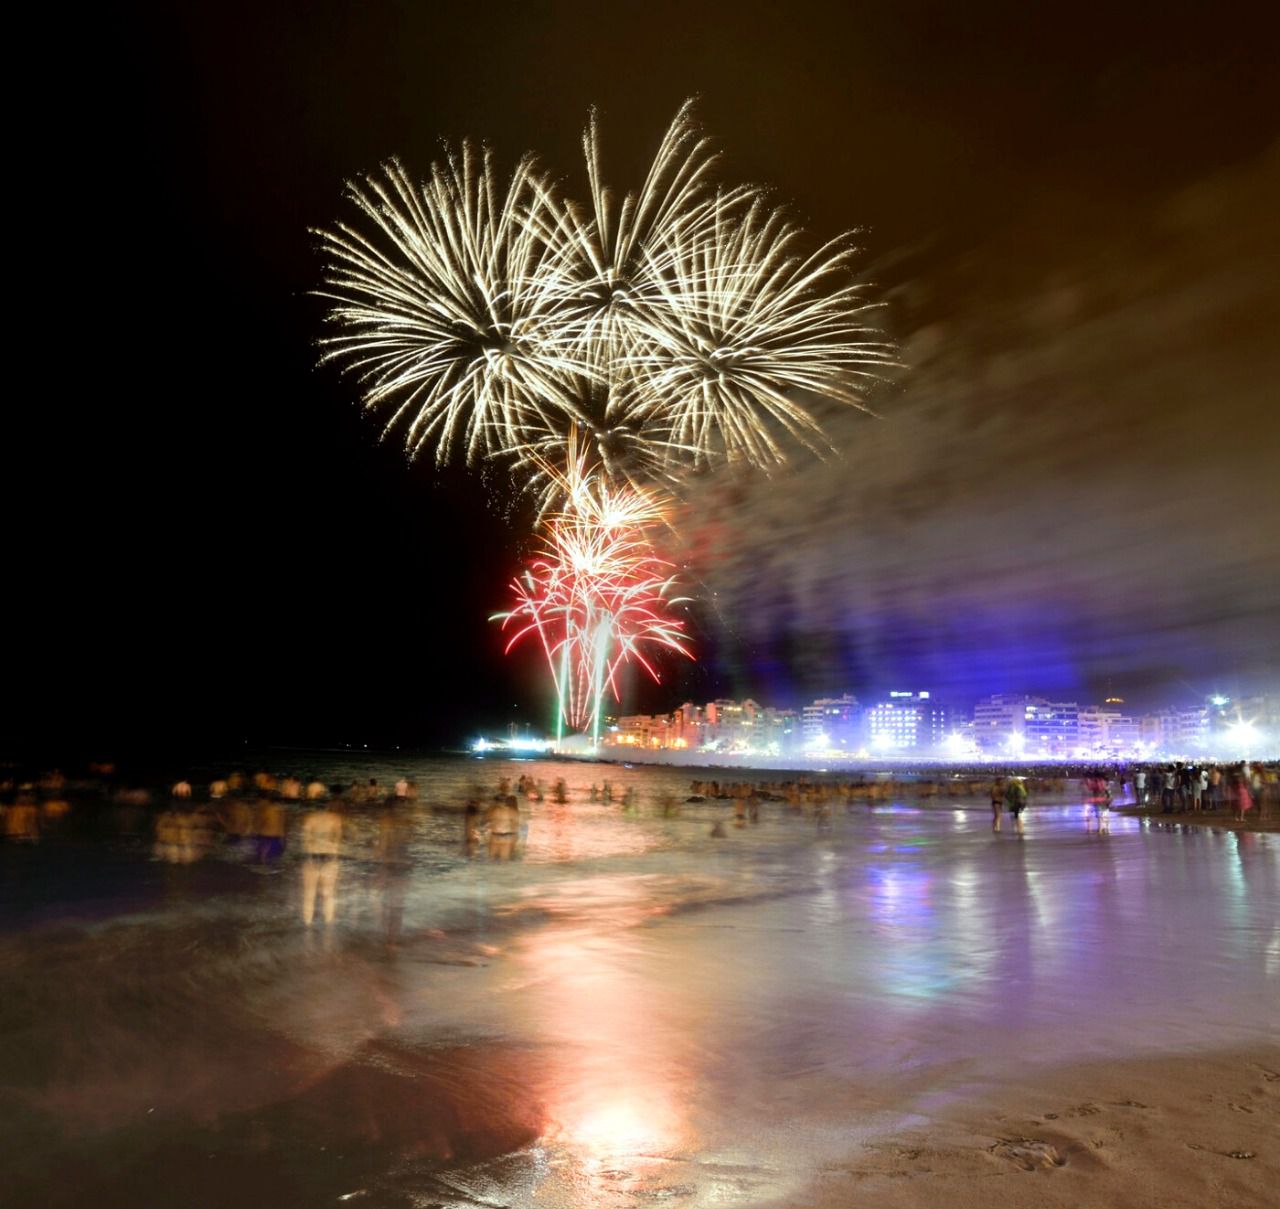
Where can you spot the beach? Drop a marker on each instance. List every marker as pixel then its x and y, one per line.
pixel 883 1001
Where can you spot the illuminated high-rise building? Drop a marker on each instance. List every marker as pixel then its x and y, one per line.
pixel 832 724
pixel 907 722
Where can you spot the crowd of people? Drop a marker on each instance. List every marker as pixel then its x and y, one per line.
pixel 256 817
pixel 1183 787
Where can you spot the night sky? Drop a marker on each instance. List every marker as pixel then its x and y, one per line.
pixel 1071 487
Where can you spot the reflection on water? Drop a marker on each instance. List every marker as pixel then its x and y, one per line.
pixel 616 1090
pixel 609 1003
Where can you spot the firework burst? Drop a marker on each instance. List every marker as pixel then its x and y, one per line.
pixel 674 326
pixel 747 325
pixel 445 308
pixel 603 351
pixel 597 596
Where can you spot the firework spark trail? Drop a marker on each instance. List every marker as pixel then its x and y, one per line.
pixel 604 254
pixel 599 596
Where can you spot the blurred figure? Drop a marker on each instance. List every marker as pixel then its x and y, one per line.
pixel 1099 792
pixel 502 820
pixel 264 782
pixel 237 823
pixel 1015 797
pixel 1184 788
pixel 321 847
pixel 394 836
pixel 198 826
pixel 168 843
pixel 21 821
pixel 561 792
pixel 1242 792
pixel 997 802
pixel 1140 788
pixel 1215 787
pixel 269 827
pixel 54 808
pixel 471 827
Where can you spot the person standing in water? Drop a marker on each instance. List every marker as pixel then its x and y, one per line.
pixel 394 837
pixel 503 822
pixel 321 847
pixel 997 802
pixel 1015 797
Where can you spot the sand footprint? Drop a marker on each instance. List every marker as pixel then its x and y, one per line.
pixel 1081 1110
pixel 1027 1153
pixel 1226 1154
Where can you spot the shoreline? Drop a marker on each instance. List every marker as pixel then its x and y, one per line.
pixel 1223 819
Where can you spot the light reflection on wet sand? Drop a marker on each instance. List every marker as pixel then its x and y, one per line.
pixel 631 1008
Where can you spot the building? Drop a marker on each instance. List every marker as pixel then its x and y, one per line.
pixel 1095 728
pixel 1106 730
pixel 778 731
pixel 907 722
pixel 640 730
pixel 999 723
pixel 1177 732
pixel 1050 728
pixel 831 724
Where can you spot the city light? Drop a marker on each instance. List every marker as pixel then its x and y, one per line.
pixel 957 745
pixel 1243 735
pixel 521 744
pixel 999 729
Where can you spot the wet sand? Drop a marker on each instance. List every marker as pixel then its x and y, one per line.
pixel 1224 819
pixel 888 1004
pixel 1174 1131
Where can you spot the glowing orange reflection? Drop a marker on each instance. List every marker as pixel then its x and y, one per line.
pixel 619 1085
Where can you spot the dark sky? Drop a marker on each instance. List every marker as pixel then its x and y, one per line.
pixel 1073 483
